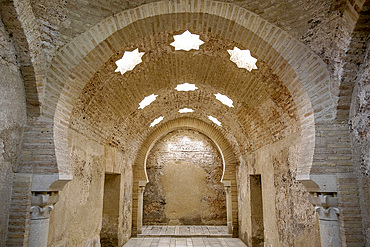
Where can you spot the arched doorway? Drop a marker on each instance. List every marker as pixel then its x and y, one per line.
pixel 184 170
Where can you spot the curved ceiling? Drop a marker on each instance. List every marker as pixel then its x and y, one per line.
pixel 264 110
pixel 83 91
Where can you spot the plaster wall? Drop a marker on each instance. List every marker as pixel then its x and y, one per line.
pixel 76 219
pixel 12 121
pixel 184 170
pixel 289 218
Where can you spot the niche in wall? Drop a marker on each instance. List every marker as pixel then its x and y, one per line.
pixel 256 210
pixel 109 231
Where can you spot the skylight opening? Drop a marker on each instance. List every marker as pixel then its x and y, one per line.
pixel 186 41
pixel 224 99
pixel 186 87
pixel 215 120
pixel 156 121
pixel 243 58
pixel 186 110
pixel 128 61
pixel 147 101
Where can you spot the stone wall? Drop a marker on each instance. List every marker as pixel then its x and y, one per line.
pixel 184 170
pixel 76 219
pixel 289 218
pixel 360 126
pixel 12 121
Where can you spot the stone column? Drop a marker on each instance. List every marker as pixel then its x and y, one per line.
pixel 326 205
pixel 141 190
pixel 41 205
pixel 227 186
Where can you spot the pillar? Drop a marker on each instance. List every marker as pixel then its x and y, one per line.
pixel 141 190
pixel 42 203
pixel 326 205
pixel 227 187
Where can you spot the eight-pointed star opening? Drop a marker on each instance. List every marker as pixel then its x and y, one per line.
pixel 128 61
pixel 243 58
pixel 186 41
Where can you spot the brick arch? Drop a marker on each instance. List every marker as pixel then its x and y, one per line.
pixel 304 73
pixel 226 151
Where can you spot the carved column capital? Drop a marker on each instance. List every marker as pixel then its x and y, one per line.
pixel 141 189
pixel 42 203
pixel 227 190
pixel 326 205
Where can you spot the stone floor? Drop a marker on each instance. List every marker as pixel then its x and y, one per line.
pixel 182 236
pixel 184 242
pixel 185 231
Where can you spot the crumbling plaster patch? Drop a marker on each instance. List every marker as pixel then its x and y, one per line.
pixel 76 219
pixel 289 219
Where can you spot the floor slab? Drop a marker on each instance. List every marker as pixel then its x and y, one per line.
pixel 185 231
pixel 184 242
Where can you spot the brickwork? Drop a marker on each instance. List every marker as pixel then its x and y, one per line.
pixel 321 105
pixel 26 38
pixel 312 78
pixel 19 214
pixel 38 151
pixel 333 154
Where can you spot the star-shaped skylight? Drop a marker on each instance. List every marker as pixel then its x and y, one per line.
pixel 156 121
pixel 186 41
pixel 186 87
pixel 128 61
pixel 243 58
pixel 186 110
pixel 215 120
pixel 224 99
pixel 147 101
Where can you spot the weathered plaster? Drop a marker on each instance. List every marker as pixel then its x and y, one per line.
pixel 76 219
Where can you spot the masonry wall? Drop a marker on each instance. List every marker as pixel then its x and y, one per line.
pixel 184 170
pixel 289 218
pixel 76 219
pixel 12 121
pixel 360 133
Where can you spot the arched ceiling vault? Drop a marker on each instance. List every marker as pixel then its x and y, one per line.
pixel 290 78
pixel 264 110
pixel 226 151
